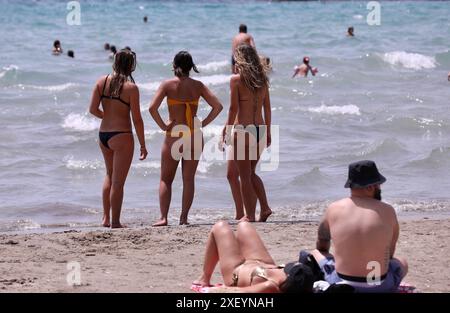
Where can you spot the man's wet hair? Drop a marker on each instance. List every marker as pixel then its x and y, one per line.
pixel 106 46
pixel 113 49
pixel 242 28
pixel 56 43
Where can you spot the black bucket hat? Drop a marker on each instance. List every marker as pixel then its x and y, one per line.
pixel 363 174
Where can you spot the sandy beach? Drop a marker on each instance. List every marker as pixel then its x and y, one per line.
pixel 168 259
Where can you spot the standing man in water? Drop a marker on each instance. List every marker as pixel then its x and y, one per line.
pixel 302 70
pixel 241 38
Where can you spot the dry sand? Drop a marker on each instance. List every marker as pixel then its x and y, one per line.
pixel 168 259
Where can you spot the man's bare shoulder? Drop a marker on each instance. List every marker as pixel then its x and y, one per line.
pixel 337 206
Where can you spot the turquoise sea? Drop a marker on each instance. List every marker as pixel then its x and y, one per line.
pixel 382 95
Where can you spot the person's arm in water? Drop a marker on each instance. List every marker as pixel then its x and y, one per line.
pixel 154 106
pixel 268 116
pixel 212 100
pixel 137 120
pixel 234 103
pixel 94 108
pixel 323 235
pixel 296 71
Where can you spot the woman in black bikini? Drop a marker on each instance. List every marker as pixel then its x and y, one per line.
pixel 118 96
pixel 249 99
pixel 247 266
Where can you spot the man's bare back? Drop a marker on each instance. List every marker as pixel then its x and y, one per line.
pixel 242 38
pixel 363 230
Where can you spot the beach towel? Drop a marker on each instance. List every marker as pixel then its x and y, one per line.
pixel 403 288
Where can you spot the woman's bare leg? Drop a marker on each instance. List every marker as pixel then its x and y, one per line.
pixel 245 174
pixel 221 245
pixel 123 147
pixel 168 170
pixel 188 167
pixel 106 190
pixel 251 245
pixel 235 186
pixel 260 191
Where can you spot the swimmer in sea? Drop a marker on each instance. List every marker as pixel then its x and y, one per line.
pixel 303 69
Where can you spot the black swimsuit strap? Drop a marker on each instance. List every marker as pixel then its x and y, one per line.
pixel 104 86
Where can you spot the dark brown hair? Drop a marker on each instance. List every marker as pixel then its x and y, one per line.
pixel 183 64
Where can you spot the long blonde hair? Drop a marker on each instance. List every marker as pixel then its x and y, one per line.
pixel 252 71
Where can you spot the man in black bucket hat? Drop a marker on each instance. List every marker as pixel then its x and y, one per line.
pixel 364 231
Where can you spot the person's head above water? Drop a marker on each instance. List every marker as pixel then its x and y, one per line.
pixel 306 60
pixel 124 65
pixel 243 28
pixel 106 46
pixel 350 31
pixel 128 48
pixel 364 179
pixel 70 53
pixel 145 19
pixel 183 64
pixel 249 67
pixel 56 44
pixel 113 49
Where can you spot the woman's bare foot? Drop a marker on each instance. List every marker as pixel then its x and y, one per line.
pixel 160 222
pixel 239 216
pixel 117 225
pixel 202 281
pixel 246 219
pixel 106 221
pixel 184 223
pixel 264 215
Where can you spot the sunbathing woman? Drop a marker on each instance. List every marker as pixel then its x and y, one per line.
pixel 249 97
pixel 247 266
pixel 183 94
pixel 119 96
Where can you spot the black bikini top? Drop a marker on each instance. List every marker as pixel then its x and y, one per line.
pixel 110 96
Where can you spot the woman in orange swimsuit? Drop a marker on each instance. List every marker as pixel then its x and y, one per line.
pixel 247 266
pixel 184 139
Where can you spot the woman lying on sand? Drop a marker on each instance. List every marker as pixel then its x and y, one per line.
pixel 247 266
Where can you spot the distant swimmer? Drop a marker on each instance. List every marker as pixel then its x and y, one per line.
pixel 128 48
pixel 303 69
pixel 71 54
pixel 448 76
pixel 57 50
pixel 107 47
pixel 145 19
pixel 241 38
pixel 350 31
pixel 113 52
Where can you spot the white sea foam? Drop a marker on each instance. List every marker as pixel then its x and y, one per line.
pixel 407 60
pixel 214 66
pixel 358 17
pixel 52 88
pixel 147 165
pixel 80 122
pixel 153 86
pixel 83 164
pixel 350 109
pixel 214 80
pixel 8 69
